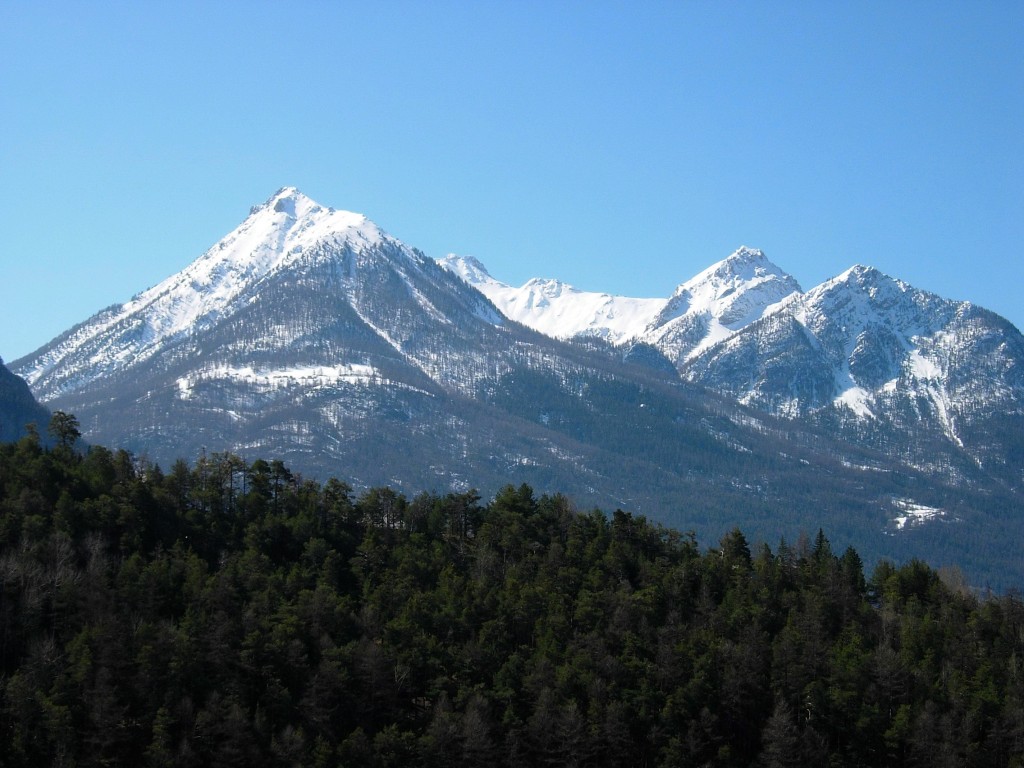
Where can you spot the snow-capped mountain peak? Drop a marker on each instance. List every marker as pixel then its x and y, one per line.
pixel 719 301
pixel 862 275
pixel 287 227
pixel 718 286
pixel 289 221
pixel 744 262
pixel 863 296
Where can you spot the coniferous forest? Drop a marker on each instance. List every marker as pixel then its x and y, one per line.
pixel 223 613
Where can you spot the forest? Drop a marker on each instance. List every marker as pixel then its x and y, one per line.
pixel 221 613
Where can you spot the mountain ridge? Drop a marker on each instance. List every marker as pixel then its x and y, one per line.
pixel 744 328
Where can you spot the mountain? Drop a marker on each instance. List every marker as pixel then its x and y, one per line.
pixel 312 336
pixel 287 236
pixel 933 383
pixel 283 336
pixel 558 309
pixel 939 383
pixel 18 408
pixel 721 300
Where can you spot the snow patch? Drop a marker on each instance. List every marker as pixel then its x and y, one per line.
pixel 857 399
pixel 281 378
pixel 921 368
pixel 913 514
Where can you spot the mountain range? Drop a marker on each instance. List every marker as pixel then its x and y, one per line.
pixel 937 383
pixel 888 415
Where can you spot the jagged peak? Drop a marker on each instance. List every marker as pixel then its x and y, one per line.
pixel 280 230
pixel 744 265
pixel 859 272
pixel 862 277
pixel 287 199
pixel 470 269
pixel 744 257
pixel 455 262
pixel 745 253
pixel 291 205
pixel 290 201
pixel 286 192
pixel 286 229
pixel 472 261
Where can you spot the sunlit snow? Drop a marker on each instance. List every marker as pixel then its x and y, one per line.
pixel 723 298
pixel 557 309
pixel 857 399
pixel 267 379
pixel 913 513
pixel 273 236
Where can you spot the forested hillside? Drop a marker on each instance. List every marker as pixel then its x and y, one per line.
pixel 226 613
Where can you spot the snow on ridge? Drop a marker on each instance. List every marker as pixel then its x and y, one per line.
pixel 743 266
pixel 707 309
pixel 737 289
pixel 469 268
pixel 731 294
pixel 558 309
pixel 864 303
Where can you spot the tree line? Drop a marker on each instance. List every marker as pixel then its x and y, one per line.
pixel 224 613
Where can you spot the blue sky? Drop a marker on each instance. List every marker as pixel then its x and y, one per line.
pixel 617 146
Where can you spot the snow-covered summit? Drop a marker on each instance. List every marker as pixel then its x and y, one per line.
pixel 871 350
pixel 863 296
pixel 719 301
pixel 288 222
pixel 735 291
pixel 470 269
pixel 860 276
pixel 274 235
pixel 288 227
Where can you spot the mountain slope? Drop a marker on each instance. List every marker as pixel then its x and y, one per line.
pixel 701 312
pixel 885 364
pixel 311 334
pixel 289 231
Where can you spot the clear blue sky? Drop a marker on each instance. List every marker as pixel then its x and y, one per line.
pixel 616 146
